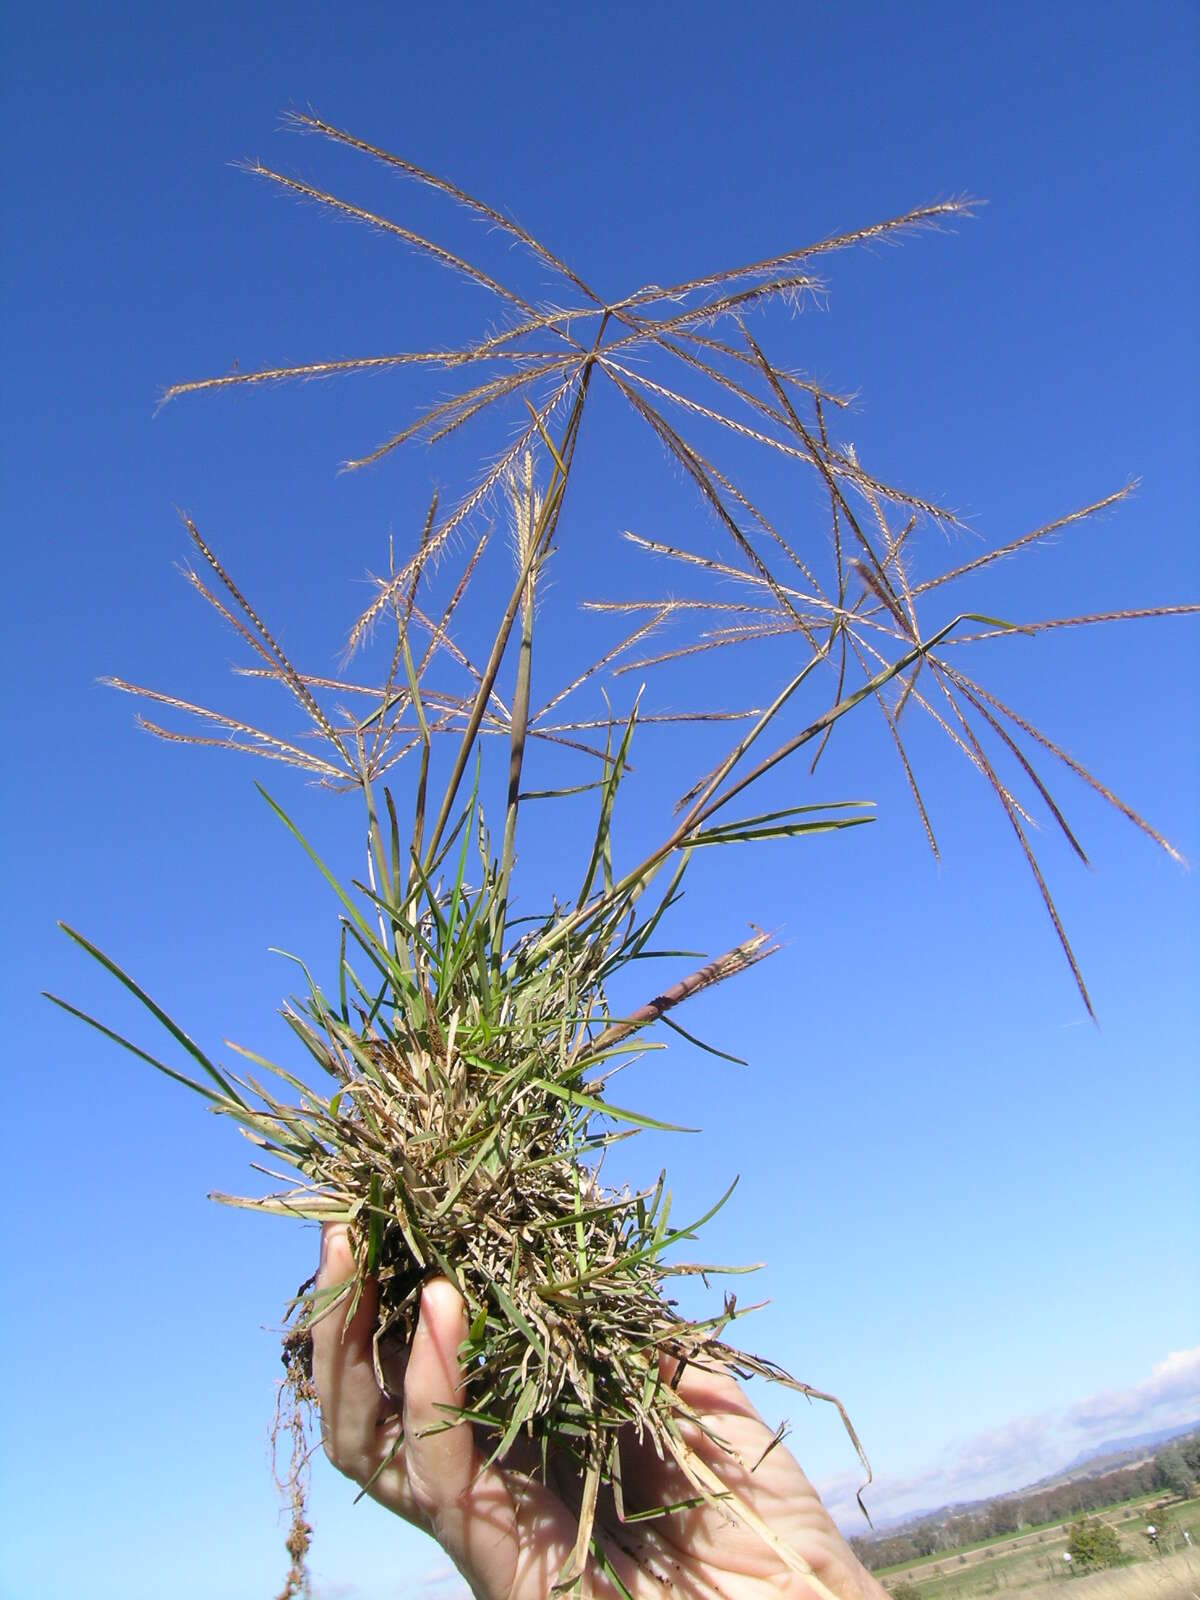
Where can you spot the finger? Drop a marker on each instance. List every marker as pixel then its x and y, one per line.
pixel 712 1393
pixel 469 1510
pixel 343 1372
pixel 652 1478
pixel 719 1429
pixel 441 1454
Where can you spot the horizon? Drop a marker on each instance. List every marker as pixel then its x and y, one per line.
pixel 986 1466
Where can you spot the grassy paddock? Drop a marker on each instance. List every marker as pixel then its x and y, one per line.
pixel 1174 1577
pixel 1118 1508
pixel 1032 1560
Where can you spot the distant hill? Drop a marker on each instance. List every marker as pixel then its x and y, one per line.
pixel 1134 1445
pixel 1091 1463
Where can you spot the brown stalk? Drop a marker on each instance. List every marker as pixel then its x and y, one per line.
pixel 741 957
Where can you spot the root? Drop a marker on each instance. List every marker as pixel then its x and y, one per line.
pixel 293 1414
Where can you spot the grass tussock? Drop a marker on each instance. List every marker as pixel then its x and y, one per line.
pixel 465 1054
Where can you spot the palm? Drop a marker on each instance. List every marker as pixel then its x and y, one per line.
pixel 512 1534
pixel 698 1552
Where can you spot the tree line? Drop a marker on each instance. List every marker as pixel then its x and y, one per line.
pixel 1174 1470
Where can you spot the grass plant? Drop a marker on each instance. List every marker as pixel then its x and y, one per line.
pixel 464 1053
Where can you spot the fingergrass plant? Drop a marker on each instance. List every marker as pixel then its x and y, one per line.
pixel 465 1054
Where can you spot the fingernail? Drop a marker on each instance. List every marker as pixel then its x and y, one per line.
pixel 426 1311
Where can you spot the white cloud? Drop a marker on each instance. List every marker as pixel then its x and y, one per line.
pixel 1171 1392
pixel 1027 1448
pixel 996 1450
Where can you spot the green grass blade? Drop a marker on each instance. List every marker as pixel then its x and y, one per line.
pixel 156 1011
pixel 692 1229
pixel 590 1102
pixel 733 834
pixel 127 1044
pixel 611 783
pixel 710 1049
pixel 363 928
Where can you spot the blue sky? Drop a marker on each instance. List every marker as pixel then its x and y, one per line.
pixel 979 1210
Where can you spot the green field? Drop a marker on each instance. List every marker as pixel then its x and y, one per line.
pixel 1033 1558
pixel 1118 1509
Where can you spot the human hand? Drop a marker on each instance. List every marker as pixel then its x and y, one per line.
pixel 511 1534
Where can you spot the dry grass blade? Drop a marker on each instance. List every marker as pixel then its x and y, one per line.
pixel 1026 766
pixel 790 288
pixel 264 746
pixel 673 605
pixel 832 467
pixel 763 522
pixel 697 408
pixel 440 639
pixel 723 380
pixel 438 633
pixel 649 719
pixel 830 613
